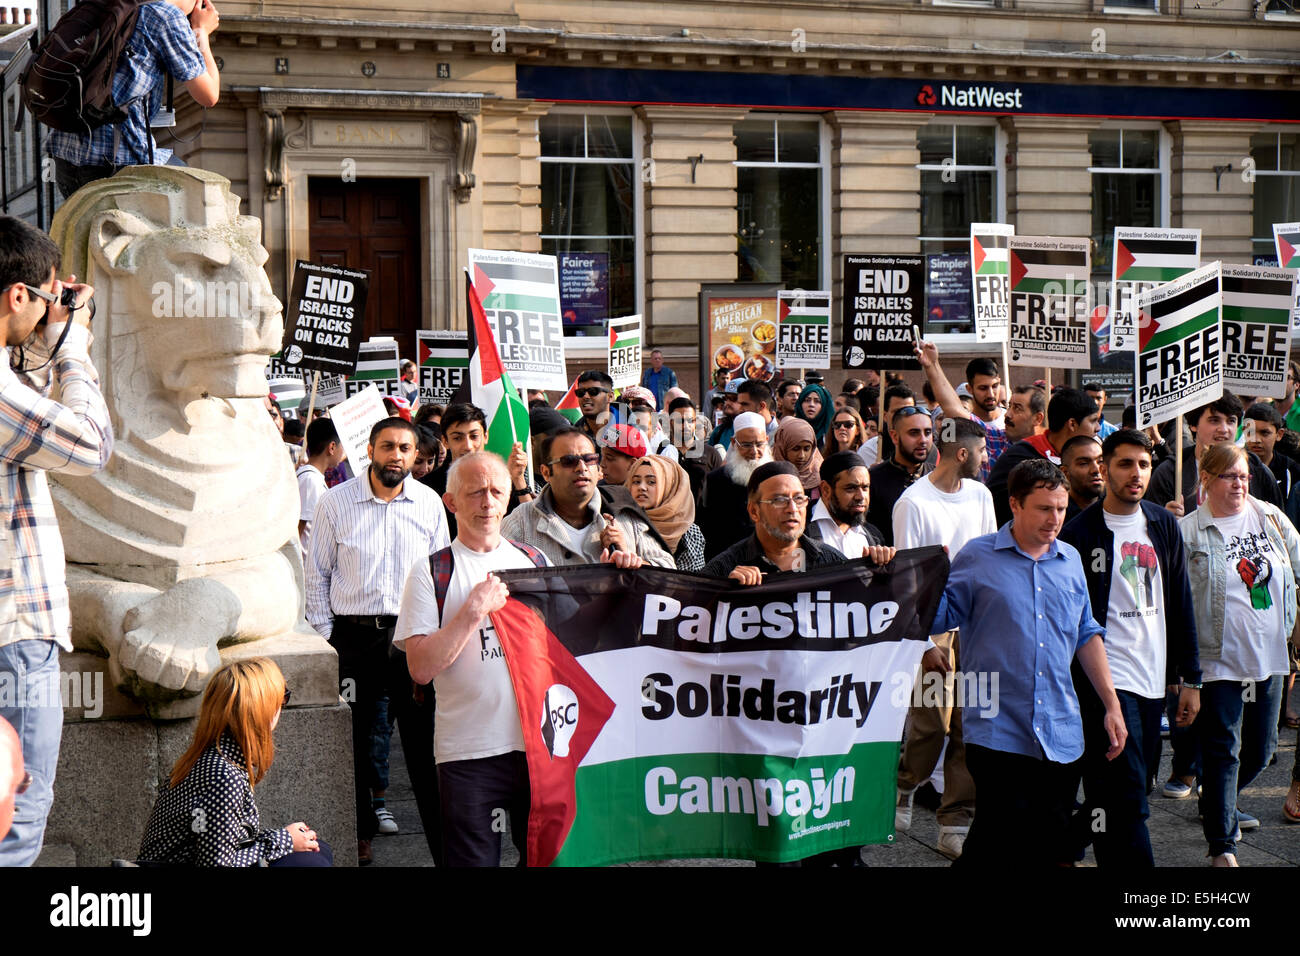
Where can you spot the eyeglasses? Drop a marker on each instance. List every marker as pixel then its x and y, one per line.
pixel 572 461
pixel 589 392
pixel 25 784
pixel 751 445
pixel 781 502
pixel 287 695
pixel 1231 477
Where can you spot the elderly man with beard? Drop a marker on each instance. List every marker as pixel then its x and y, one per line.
pixel 912 432
pixel 949 508
pixel 1081 462
pixel 723 513
pixel 839 519
pixel 366 535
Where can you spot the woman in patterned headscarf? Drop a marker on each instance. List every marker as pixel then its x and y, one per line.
pixel 663 490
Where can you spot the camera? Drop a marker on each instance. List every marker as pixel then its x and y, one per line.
pixel 68 298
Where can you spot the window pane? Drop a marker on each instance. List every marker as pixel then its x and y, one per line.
pixel 948 209
pixel 561 134
pixel 1140 149
pixel 588 199
pixel 609 137
pixel 975 145
pixel 1121 199
pixel 1289 148
pixel 1277 199
pixel 1105 147
pixel 935 143
pixel 799 141
pixel 756 141
pixel 1263 149
pixel 778 216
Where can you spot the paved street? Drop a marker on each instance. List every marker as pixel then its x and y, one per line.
pixel 1175 829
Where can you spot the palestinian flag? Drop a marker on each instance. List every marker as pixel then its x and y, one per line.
pixel 1169 318
pixel 988 249
pixel 1286 236
pixel 490 387
pixel 667 715
pixel 1040 264
pixel 517 286
pixel 568 406
pixel 1155 255
pixel 1257 302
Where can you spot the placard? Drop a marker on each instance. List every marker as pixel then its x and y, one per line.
pixel 990 268
pixel 327 308
pixel 444 362
pixel 329 387
pixel 803 334
pixel 1051 302
pixel 625 351
pixel 1286 239
pixel 378 364
pixel 1257 303
pixel 353 418
pixel 1179 362
pixel 883 301
pixel 1144 259
pixel 520 293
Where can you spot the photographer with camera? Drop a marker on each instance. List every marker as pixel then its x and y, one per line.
pixel 46 329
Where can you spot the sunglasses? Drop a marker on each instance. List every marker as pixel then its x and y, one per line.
pixel 589 392
pixel 848 424
pixel 572 461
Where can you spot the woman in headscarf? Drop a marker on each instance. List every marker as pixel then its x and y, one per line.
pixel 816 408
pixel 796 442
pixel 663 490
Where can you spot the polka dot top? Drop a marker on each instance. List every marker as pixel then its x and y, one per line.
pixel 209 819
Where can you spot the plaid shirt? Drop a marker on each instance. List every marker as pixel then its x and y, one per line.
pixel 163 42
pixel 39 435
pixel 995 439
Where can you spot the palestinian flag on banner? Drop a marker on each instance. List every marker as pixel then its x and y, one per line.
pixel 668 715
pixel 517 286
pixel 988 250
pixel 624 335
pixel 1286 236
pixel 378 363
pixel 568 406
pixel 489 384
pixel 1047 270
pixel 290 393
pixel 1257 303
pixel 1154 255
pixel 1174 318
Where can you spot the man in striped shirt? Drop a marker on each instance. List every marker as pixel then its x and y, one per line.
pixel 37 435
pixel 367 534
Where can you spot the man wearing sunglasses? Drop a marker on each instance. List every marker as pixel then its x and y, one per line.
pixel 578 521
pixel 72 436
pixel 594 392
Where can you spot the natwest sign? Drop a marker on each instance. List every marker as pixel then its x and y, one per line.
pixel 980 97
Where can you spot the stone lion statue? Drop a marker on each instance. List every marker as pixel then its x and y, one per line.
pixel 188 540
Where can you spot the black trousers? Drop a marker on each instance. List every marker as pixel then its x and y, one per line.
pixel 411 705
pixel 1022 810
pixel 477 795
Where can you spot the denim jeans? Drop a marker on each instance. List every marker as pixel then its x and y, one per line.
pixel 1118 788
pixel 1238 734
pixel 29 680
pixel 1185 742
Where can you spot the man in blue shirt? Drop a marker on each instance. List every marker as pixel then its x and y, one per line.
pixel 658 378
pixel 1021 601
pixel 171 36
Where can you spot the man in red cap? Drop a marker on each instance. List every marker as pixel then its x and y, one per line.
pixel 620 446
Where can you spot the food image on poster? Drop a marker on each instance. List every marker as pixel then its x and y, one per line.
pixel 742 336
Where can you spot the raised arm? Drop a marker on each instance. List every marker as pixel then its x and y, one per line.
pixel 927 353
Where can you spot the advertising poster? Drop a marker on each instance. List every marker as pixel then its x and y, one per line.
pixel 948 293
pixel 738 332
pixel 584 287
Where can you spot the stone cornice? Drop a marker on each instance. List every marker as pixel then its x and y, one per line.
pixel 305 98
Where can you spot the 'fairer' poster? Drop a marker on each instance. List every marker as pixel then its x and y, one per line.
pixel 1051 301
pixel 1144 259
pixel 1257 303
pixel 990 269
pixel 1179 361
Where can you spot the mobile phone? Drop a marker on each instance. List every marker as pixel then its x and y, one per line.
pixel 916 335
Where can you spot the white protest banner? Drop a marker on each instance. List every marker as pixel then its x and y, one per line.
pixel 803 330
pixel 353 418
pixel 444 361
pixel 990 268
pixel 520 293
pixel 378 364
pixel 1144 259
pixel 1257 302
pixel 1179 361
pixel 625 351
pixel 1051 301
pixel 1286 238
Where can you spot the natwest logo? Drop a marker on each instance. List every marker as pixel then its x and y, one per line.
pixel 977 97
pixel 926 96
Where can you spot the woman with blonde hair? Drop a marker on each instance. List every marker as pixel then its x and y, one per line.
pixel 847 433
pixel 204 815
pixel 1242 559
pixel 663 490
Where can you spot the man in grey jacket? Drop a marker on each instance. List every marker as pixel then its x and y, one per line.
pixel 575 521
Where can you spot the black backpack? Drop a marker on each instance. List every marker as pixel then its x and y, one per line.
pixel 68 82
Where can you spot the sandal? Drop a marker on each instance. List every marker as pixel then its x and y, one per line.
pixel 1291 809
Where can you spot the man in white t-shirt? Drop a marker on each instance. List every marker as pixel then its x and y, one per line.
pixel 948 507
pixel 478 744
pixel 324 451
pixel 1135 564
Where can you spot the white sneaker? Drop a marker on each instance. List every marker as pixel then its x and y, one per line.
pixel 387 825
pixel 951 841
pixel 903 812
